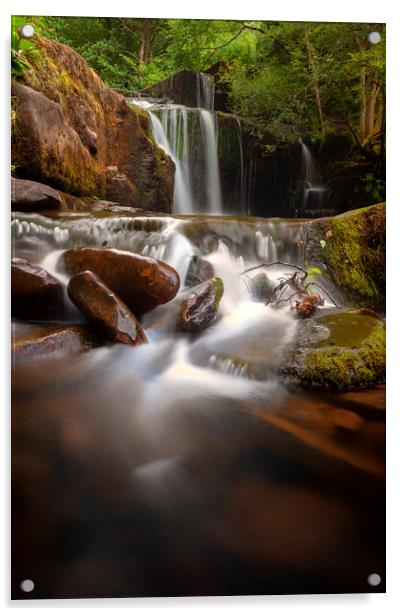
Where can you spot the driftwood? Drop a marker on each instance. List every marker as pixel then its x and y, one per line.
pixel 307 301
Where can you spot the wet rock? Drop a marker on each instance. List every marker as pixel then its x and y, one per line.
pixel 45 341
pixel 27 196
pixel 199 270
pixel 201 305
pixel 141 282
pixel 261 287
pixel 110 316
pixel 113 206
pixel 346 422
pixel 35 294
pixel 351 357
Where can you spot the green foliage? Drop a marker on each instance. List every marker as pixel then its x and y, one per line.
pixel 274 71
pixel 22 50
pixel 375 187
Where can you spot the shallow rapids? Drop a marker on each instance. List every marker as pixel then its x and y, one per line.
pixel 183 466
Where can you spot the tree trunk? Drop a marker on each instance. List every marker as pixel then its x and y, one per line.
pixel 374 90
pixel 362 94
pixel 315 82
pixel 146 41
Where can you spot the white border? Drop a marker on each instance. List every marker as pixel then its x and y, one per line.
pixel 304 10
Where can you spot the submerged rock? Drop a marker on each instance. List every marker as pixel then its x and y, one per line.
pixel 35 294
pixel 201 305
pixel 45 341
pixel 27 196
pixel 198 271
pixel 110 316
pixel 261 287
pixel 141 282
pixel 352 356
pixel 344 421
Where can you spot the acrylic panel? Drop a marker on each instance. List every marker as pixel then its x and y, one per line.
pixel 198 307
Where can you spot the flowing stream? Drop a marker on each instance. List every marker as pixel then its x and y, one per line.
pixel 184 466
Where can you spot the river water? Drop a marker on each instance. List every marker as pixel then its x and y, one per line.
pixel 185 466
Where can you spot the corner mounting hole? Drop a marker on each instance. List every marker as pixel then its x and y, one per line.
pixel 27 585
pixel 374 579
pixel 374 38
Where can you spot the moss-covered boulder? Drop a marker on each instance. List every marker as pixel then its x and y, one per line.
pixel 73 133
pixel 342 350
pixel 350 248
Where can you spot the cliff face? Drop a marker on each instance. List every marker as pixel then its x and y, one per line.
pixel 73 133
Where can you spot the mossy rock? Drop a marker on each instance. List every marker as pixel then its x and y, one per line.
pixel 350 356
pixel 350 248
pixel 69 130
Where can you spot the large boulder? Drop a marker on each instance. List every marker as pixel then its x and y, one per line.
pixel 350 249
pixel 141 282
pixel 110 316
pixel 199 309
pixel 72 132
pixel 28 196
pixel 35 294
pixel 59 340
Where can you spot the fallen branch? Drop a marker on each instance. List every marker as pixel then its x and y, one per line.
pixel 308 301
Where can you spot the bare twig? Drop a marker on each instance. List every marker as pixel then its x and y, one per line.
pixel 276 263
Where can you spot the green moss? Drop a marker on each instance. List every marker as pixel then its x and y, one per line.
pixel 218 288
pixel 353 248
pixel 342 368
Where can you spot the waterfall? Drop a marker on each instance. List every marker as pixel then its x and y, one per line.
pixel 205 91
pixel 194 150
pixel 314 192
pixel 211 158
pixel 191 136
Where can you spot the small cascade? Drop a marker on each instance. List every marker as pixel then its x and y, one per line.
pixel 171 239
pixel 205 91
pixel 209 137
pixel 314 193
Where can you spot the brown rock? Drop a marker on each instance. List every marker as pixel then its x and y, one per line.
pixel 200 307
pixel 35 294
pixel 141 282
pixel 45 341
pixel 73 132
pixel 110 316
pixel 27 196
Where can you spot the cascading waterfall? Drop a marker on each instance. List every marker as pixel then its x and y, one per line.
pixel 312 187
pixel 209 137
pixel 205 91
pixel 190 136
